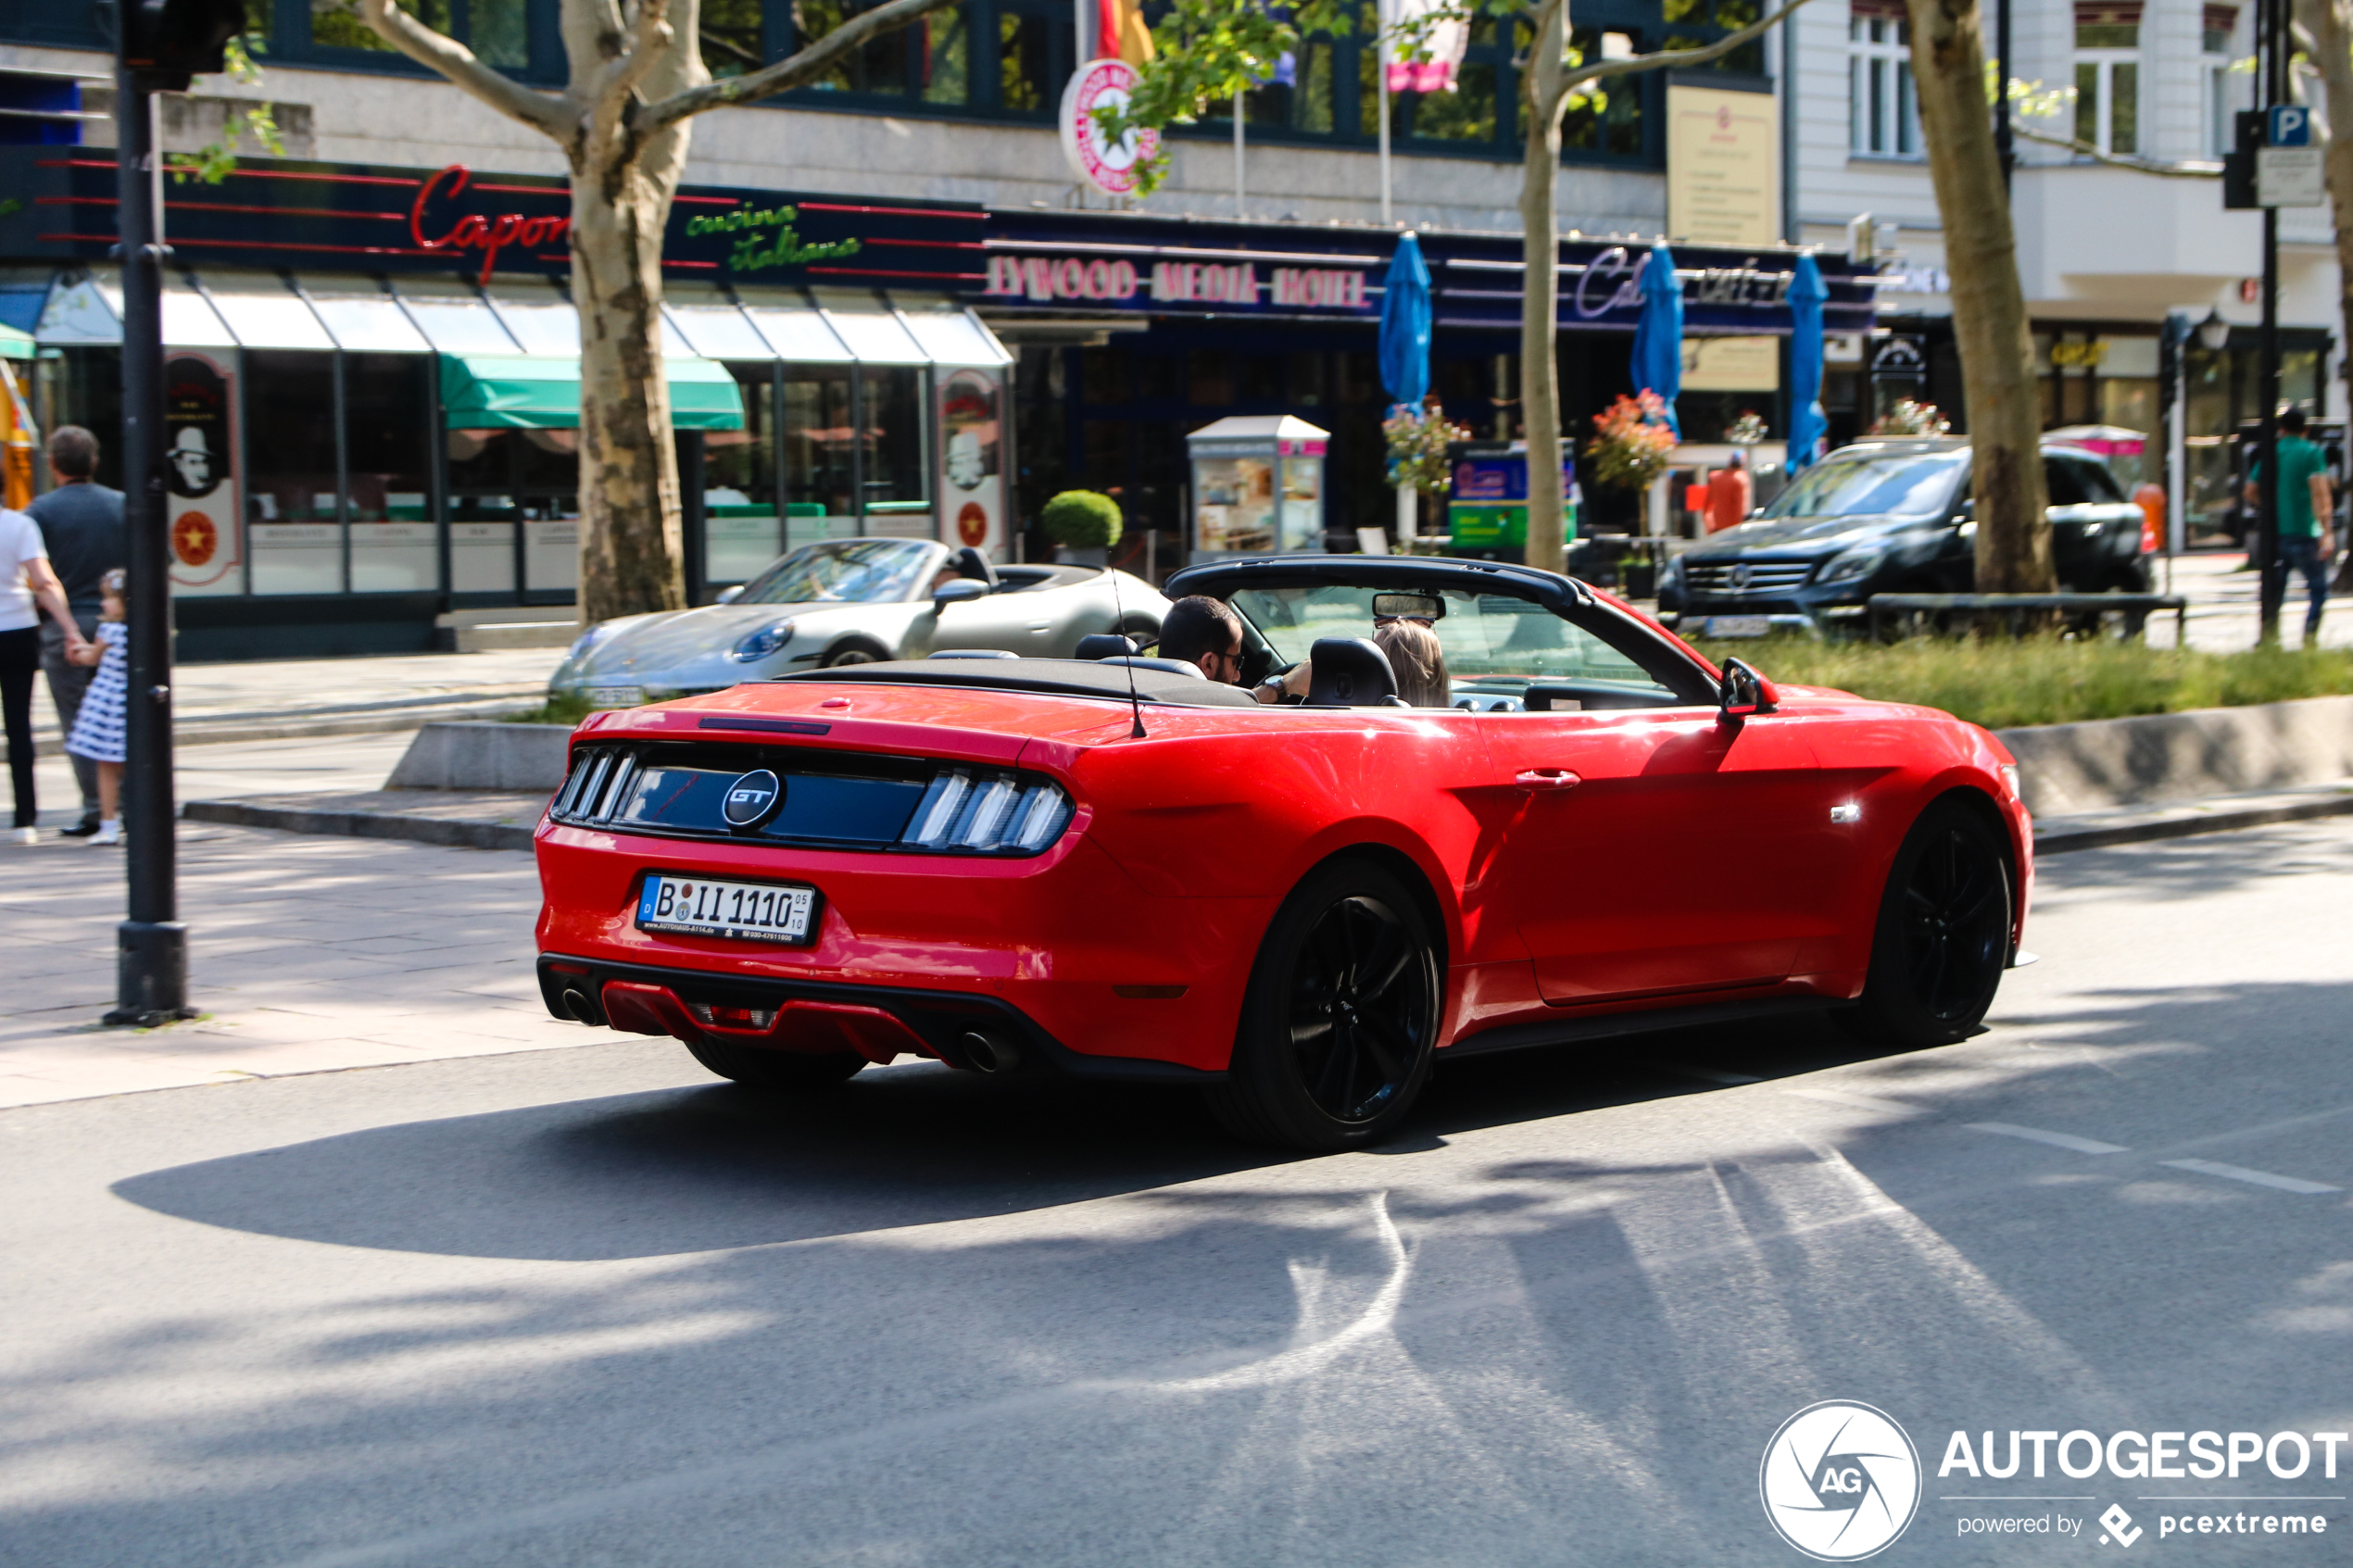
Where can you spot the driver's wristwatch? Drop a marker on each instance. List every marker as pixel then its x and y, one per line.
pixel 1271 683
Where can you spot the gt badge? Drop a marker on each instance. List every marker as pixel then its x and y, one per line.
pixel 752 799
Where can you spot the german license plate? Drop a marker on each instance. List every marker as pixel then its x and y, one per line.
pixel 1737 626
pixel 748 911
pixel 616 696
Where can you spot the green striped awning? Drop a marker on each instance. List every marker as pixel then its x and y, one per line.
pixel 15 345
pixel 542 392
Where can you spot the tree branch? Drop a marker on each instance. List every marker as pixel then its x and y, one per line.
pixel 2119 161
pixel 784 75
pixel 1571 80
pixel 550 116
pixel 618 77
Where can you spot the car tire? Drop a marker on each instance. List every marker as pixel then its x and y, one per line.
pixel 804 1072
pixel 1341 1017
pixel 853 653
pixel 1943 938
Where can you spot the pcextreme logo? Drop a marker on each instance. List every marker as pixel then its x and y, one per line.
pixel 1840 1480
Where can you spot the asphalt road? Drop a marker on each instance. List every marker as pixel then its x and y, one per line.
pixel 588 1307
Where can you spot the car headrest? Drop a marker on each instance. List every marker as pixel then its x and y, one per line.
pixel 1105 644
pixel 1174 666
pixel 973 653
pixel 1349 672
pixel 972 564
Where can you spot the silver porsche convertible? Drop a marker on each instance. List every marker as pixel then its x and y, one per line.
pixel 850 601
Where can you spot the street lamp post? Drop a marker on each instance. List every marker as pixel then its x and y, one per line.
pixel 2272 40
pixel 160 46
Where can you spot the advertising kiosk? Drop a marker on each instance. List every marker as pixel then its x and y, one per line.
pixel 1258 485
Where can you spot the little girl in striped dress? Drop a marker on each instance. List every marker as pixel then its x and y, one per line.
pixel 98 730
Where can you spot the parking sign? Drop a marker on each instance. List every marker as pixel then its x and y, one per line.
pixel 2291 126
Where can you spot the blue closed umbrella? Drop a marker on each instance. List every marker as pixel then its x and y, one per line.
pixel 1806 423
pixel 1404 325
pixel 1658 334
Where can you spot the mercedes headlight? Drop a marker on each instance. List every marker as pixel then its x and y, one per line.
pixel 1852 566
pixel 756 646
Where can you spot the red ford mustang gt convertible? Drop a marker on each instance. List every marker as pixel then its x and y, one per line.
pixel 1119 869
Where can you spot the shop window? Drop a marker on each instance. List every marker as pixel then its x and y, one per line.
pixel 1882 111
pixel 1306 371
pixel 498 32
pixel 395 545
pixel 1261 378
pixel 742 526
pixel 1700 23
pixel 1298 97
pixel 733 42
pixel 1102 375
pixel 1025 63
pixel 482 510
pixel 294 511
pixel 1157 377
pixel 816 427
pixel 891 399
pixel 2223 92
pixel 1609 121
pixel 2107 75
pixel 1209 377
pixel 943 68
pixel 1360 378
pixel 1467 114
pixel 878 65
pixel 1106 452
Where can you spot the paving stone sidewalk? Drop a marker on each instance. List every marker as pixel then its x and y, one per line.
pixel 307 954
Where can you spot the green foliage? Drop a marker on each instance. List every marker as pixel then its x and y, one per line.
pixel 1082 519
pixel 213 162
pixel 1634 443
pixel 2001 684
pixel 562 708
pixel 1418 440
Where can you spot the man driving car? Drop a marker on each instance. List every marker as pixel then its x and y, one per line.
pixel 1206 632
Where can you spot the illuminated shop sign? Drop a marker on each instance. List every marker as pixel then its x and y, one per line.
pixel 1234 286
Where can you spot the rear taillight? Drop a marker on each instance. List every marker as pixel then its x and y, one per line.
pixel 987 811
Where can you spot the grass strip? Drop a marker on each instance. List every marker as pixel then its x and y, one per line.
pixel 2003 683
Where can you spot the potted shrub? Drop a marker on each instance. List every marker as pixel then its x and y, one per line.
pixel 1084 525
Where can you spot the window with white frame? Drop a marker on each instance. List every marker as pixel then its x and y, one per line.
pixel 1883 113
pixel 2107 75
pixel 2214 68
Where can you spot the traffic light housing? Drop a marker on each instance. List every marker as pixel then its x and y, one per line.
pixel 169 42
pixel 2249 130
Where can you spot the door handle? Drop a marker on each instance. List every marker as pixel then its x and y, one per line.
pixel 1548 778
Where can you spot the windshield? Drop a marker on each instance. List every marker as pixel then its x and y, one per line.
pixel 846 571
pixel 1882 484
pixel 1493 642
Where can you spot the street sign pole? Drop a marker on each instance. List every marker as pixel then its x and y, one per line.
pixel 152 973
pixel 2273 33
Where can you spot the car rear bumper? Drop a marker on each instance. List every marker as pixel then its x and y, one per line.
pixel 877 1022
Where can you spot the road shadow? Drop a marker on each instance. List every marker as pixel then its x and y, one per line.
pixel 707 1168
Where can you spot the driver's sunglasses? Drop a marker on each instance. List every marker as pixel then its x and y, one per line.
pixel 1424 622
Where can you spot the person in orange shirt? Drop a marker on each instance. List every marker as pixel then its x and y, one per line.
pixel 1731 494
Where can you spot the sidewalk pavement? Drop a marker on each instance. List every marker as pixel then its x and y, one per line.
pixel 270 698
pixel 307 954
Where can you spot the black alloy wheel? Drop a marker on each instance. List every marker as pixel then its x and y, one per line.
pixel 856 653
pixel 1340 1019
pixel 1944 936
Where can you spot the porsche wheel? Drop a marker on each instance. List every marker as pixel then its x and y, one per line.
pixel 1341 1017
pixel 1943 934
pixel 856 653
pixel 755 1068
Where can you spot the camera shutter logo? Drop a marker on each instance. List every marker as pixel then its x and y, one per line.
pixel 752 799
pixel 1840 1481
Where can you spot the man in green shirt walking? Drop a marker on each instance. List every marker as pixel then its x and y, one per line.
pixel 2306 507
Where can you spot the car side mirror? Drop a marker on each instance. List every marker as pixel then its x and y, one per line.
pixel 1744 692
pixel 961 590
pixel 729 596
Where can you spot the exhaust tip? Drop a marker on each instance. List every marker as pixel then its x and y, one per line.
pixel 989 1051
pixel 581 1005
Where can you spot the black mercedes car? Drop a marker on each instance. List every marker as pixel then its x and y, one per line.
pixel 1890 517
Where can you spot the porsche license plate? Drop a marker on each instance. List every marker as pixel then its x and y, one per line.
pixel 616 696
pixel 748 911
pixel 1737 626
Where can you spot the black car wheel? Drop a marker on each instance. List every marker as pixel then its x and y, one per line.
pixel 1341 1017
pixel 802 1071
pixel 1943 934
pixel 853 653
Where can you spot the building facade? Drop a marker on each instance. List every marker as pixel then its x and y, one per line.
pixel 874 286
pixel 2104 251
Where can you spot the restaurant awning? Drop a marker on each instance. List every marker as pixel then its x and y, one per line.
pixel 542 392
pixel 15 345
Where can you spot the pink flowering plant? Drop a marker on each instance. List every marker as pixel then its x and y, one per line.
pixel 1634 443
